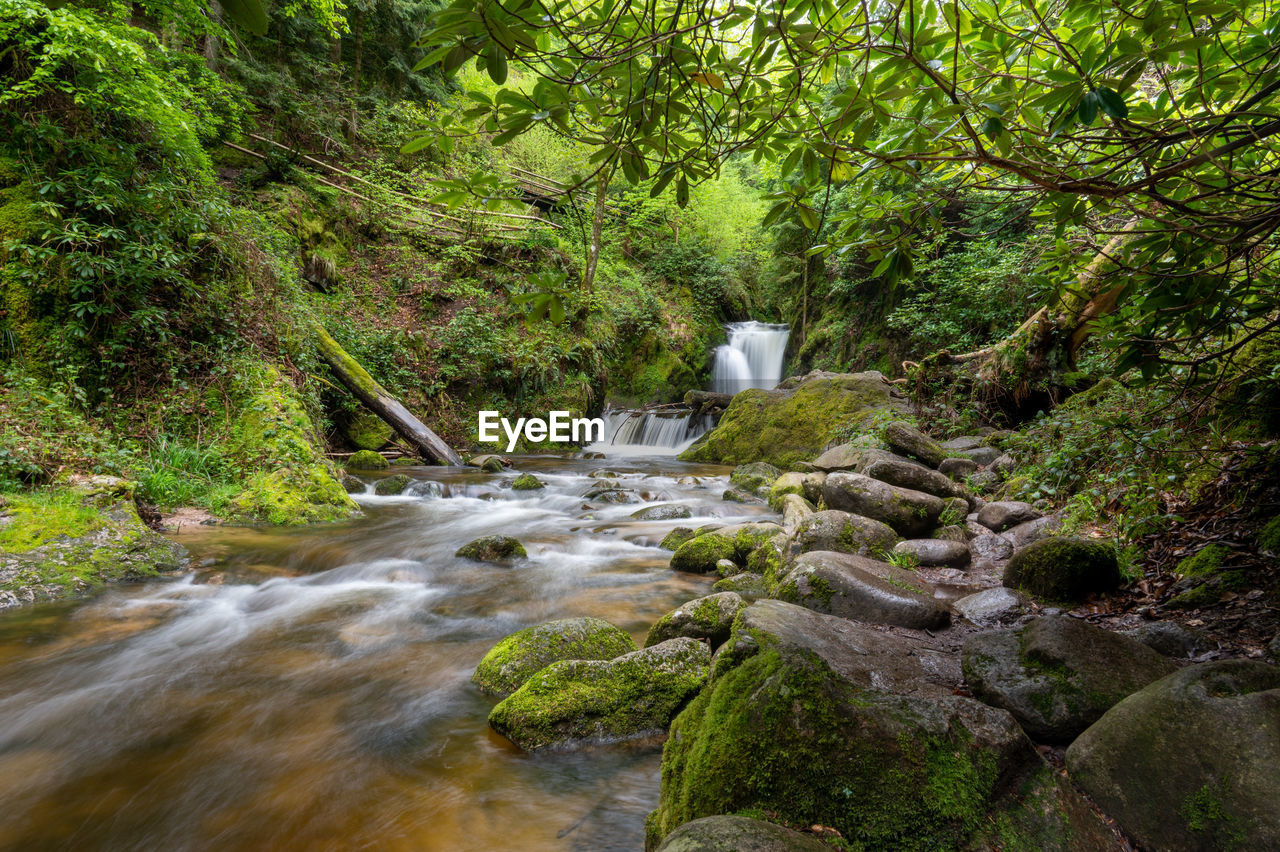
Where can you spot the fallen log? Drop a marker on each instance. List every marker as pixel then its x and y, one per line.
pixel 367 390
pixel 703 402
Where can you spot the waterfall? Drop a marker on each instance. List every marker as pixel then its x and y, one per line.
pixel 632 432
pixel 751 359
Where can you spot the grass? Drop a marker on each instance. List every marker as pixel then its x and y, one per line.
pixel 175 473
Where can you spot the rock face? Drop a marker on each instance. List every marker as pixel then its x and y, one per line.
pixel 1189 762
pixel 789 425
pixel 522 654
pixel 738 834
pixel 934 552
pixel 664 512
pixel 1058 675
pixel 706 618
pixel 1064 569
pixel 910 513
pixel 1002 515
pixel 700 554
pixel 576 701
pixel 855 587
pixel 492 548
pixel 798 721
pixel 844 532
pixel 910 441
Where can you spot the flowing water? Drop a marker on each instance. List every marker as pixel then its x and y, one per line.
pixel 753 357
pixel 308 689
pixel 635 432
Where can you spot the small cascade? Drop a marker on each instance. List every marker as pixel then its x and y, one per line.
pixel 637 432
pixel 751 359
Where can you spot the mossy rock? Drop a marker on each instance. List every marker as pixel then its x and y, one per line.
pixel 351 485
pixel 708 618
pixel 368 431
pixel 746 585
pixel 699 555
pixel 732 833
pixel 787 483
pixel 366 460
pixel 577 701
pixel 492 548
pixel 755 477
pixel 910 441
pixel 527 482
pixel 675 538
pixel 845 533
pixel 1065 570
pixel 1210 591
pixel 1204 562
pixel 524 653
pixel 663 512
pixel 787 426
pixel 392 485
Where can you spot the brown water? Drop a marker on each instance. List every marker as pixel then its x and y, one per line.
pixel 309 689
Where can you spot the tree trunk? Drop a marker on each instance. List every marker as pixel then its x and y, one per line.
pixel 597 229
pixel 210 40
pixel 367 390
pixel 357 59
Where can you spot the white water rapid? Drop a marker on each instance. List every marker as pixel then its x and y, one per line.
pixel 751 359
pixel 655 433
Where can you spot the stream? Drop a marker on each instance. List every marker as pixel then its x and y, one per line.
pixel 309 688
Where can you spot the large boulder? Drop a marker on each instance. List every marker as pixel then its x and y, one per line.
pixel 844 532
pixel 854 587
pixel 1005 514
pixel 910 513
pixel 1064 569
pixel 524 653
pixel 799 721
pixel 846 456
pixel 706 618
pixel 794 509
pixel 788 425
pixel 791 483
pixel 1190 762
pixel 754 477
pixel 1058 675
pixel 576 701
pixel 730 833
pixel 934 552
pixel 910 441
pixel 392 485
pixel 991 606
pixel 905 473
pixel 663 512
pixel 700 554
pixel 492 548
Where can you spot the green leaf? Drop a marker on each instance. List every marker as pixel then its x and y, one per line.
pixel 249 14
pixel 496 63
pixel 682 192
pixel 1088 109
pixel 1111 103
pixel 992 128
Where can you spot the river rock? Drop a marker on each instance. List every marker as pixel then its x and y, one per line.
pixel 982 456
pixel 739 495
pixel 699 555
pixel 746 585
pixel 1004 514
pixel 854 587
pixel 728 833
pixel 1058 675
pixel 799 721
pixel 1171 639
pixel 934 552
pixel 847 456
pixel 957 468
pixel 608 493
pixel 910 441
pixel 964 442
pixel 905 473
pixel 1064 569
pixel 991 606
pixel 909 512
pixel 366 460
pixel 706 618
pixel 663 512
pixel 492 548
pixel 789 483
pixel 1189 762
pixel 392 485
pixel 844 532
pixel 990 546
pixel 955 532
pixel 727 568
pixel 576 701
pixel 755 477
pixel 527 482
pixel 676 537
pixel 812 486
pixel 771 559
pixel 1032 531
pixel 794 509
pixel 351 485
pixel 526 652
pixel 790 423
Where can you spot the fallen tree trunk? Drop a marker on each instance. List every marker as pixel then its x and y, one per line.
pixel 367 390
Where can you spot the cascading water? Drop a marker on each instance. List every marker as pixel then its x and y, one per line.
pixel 751 359
pixel 632 432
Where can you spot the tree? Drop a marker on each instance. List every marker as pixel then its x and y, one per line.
pixel 1154 127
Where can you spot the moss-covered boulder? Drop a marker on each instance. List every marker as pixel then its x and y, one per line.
pixel 1189 762
pixel 527 482
pixel 576 701
pixel 796 722
pixel 1064 569
pixel 366 460
pixel 523 654
pixel 675 538
pixel 854 587
pixel 392 485
pixel 788 483
pixel 844 532
pixel 849 455
pixel 909 512
pixel 699 555
pixel 738 834
pixel 367 431
pixel 754 477
pixel 786 426
pixel 76 538
pixel 909 441
pixel 746 585
pixel 706 618
pixel 1058 675
pixel 492 548
pixel 734 494
pixel 663 512
pixel 794 509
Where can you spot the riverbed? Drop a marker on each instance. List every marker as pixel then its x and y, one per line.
pixel 309 688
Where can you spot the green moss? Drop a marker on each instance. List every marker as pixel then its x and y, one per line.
pixel 1064 569
pixel 366 460
pixel 1210 592
pixel 527 482
pixel 1203 812
pixel 675 538
pixel 1205 561
pixel 700 555
pixel 519 656
pixel 1269 537
pixel 492 548
pixel 368 431
pixel 39 517
pixel 392 485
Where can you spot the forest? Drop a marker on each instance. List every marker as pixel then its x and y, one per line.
pixel 935 345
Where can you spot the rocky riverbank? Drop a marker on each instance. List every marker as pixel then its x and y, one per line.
pixel 902 661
